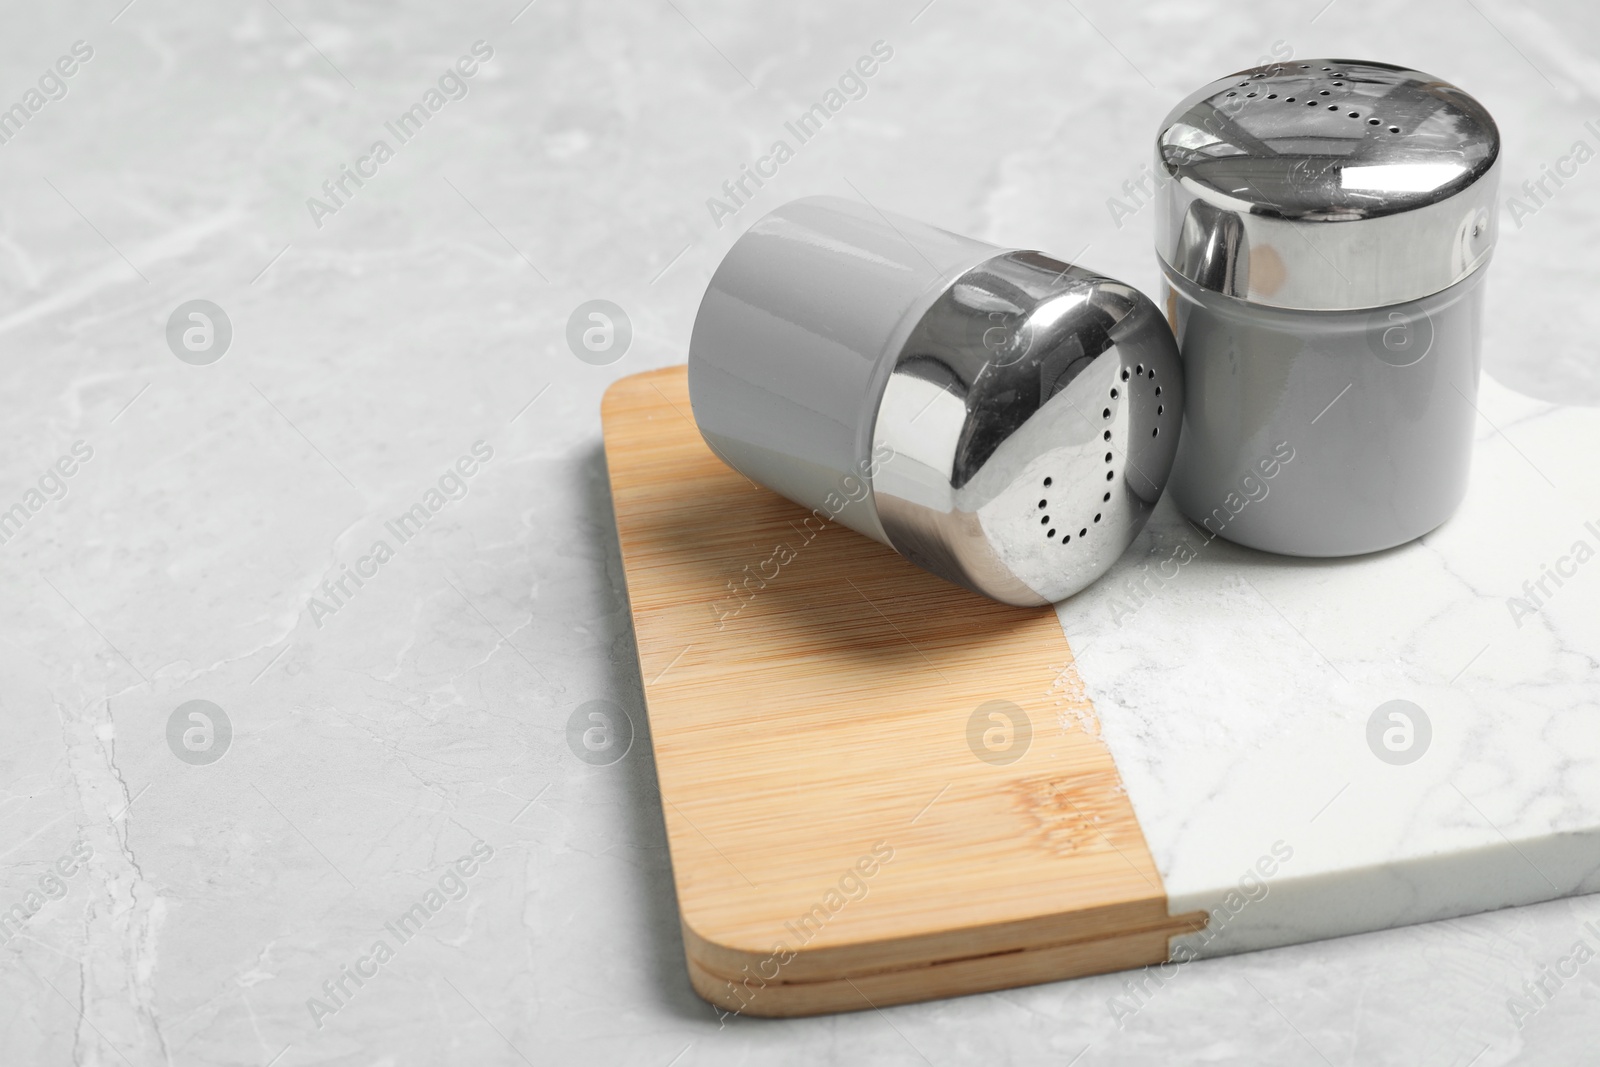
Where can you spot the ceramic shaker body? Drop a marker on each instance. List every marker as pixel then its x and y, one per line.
pixel 1324 230
pixel 1000 418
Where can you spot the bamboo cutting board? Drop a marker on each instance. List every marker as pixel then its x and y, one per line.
pixel 877 787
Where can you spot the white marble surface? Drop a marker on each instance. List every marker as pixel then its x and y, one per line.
pixel 431 709
pixel 1258 783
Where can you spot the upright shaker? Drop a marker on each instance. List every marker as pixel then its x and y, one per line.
pixel 1324 231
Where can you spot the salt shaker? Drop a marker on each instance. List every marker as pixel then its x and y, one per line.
pixel 1324 230
pixel 999 417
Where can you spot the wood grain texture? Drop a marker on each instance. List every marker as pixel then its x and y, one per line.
pixel 836 839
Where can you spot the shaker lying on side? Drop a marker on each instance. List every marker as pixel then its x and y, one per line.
pixel 1000 418
pixel 1324 231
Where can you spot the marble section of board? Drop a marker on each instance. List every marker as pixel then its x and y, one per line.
pixel 1247 699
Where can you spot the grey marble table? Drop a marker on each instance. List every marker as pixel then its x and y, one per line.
pixel 355 503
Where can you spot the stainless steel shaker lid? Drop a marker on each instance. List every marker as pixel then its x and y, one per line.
pixel 1028 425
pixel 1328 184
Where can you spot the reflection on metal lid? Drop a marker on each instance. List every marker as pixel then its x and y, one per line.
pixel 1401 177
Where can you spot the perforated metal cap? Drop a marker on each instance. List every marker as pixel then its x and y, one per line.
pixel 1328 184
pixel 1031 420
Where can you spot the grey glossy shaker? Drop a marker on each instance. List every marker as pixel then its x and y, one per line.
pixel 1324 231
pixel 1000 418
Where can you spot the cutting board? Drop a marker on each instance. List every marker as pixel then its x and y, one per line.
pixel 881 788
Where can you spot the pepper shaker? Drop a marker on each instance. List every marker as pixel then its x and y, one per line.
pixel 1324 231
pixel 999 417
